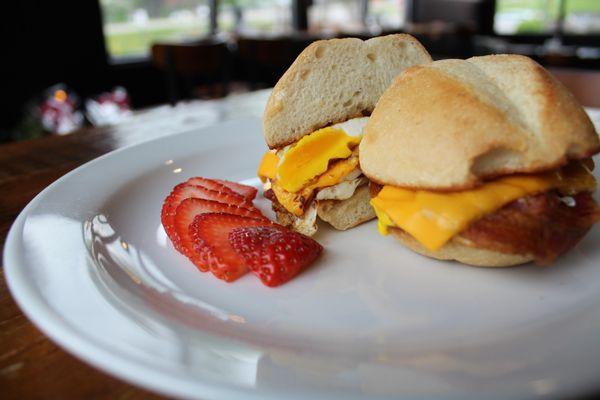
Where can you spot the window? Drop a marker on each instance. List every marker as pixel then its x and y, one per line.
pixel 332 16
pixel 255 16
pixel 529 16
pixel 541 16
pixel 131 26
pixel 582 17
pixel 386 14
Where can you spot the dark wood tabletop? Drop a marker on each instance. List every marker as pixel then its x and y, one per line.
pixel 31 366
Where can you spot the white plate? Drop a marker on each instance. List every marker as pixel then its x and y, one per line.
pixel 90 265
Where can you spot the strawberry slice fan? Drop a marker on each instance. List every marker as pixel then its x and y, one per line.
pixel 214 223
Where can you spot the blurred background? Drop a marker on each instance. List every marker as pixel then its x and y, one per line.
pixel 66 65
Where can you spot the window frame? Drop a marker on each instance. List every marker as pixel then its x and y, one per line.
pixel 299 13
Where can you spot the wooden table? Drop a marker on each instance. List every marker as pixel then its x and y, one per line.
pixel 31 366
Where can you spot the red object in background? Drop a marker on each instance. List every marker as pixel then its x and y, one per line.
pixel 58 111
pixel 109 107
pixel 118 96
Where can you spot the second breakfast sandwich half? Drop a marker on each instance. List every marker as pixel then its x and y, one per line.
pixel 313 123
pixel 485 161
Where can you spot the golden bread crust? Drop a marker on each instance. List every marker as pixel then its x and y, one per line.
pixel 459 251
pixel 346 214
pixel 335 80
pixel 452 124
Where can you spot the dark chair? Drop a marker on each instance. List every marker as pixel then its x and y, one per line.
pixel 444 39
pixel 474 15
pixel 194 66
pixel 265 59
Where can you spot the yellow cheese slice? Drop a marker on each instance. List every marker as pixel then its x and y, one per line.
pixel 433 218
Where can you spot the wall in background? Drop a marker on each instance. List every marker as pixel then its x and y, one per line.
pixel 46 42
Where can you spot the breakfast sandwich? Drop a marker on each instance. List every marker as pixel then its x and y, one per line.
pixel 314 121
pixel 485 161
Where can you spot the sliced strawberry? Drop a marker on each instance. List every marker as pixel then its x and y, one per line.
pixel 210 236
pixel 184 191
pixel 248 192
pixel 274 254
pixel 212 184
pixel 189 208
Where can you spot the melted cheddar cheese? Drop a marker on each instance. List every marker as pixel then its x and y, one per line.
pixel 433 218
pixel 318 160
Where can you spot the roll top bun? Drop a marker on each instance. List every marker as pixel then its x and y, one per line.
pixel 334 80
pixel 451 124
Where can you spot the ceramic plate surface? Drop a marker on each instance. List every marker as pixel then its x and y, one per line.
pixel 89 263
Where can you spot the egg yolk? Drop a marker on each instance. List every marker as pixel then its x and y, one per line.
pixel 268 166
pixel 311 155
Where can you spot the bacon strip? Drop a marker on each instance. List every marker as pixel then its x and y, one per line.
pixel 540 225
